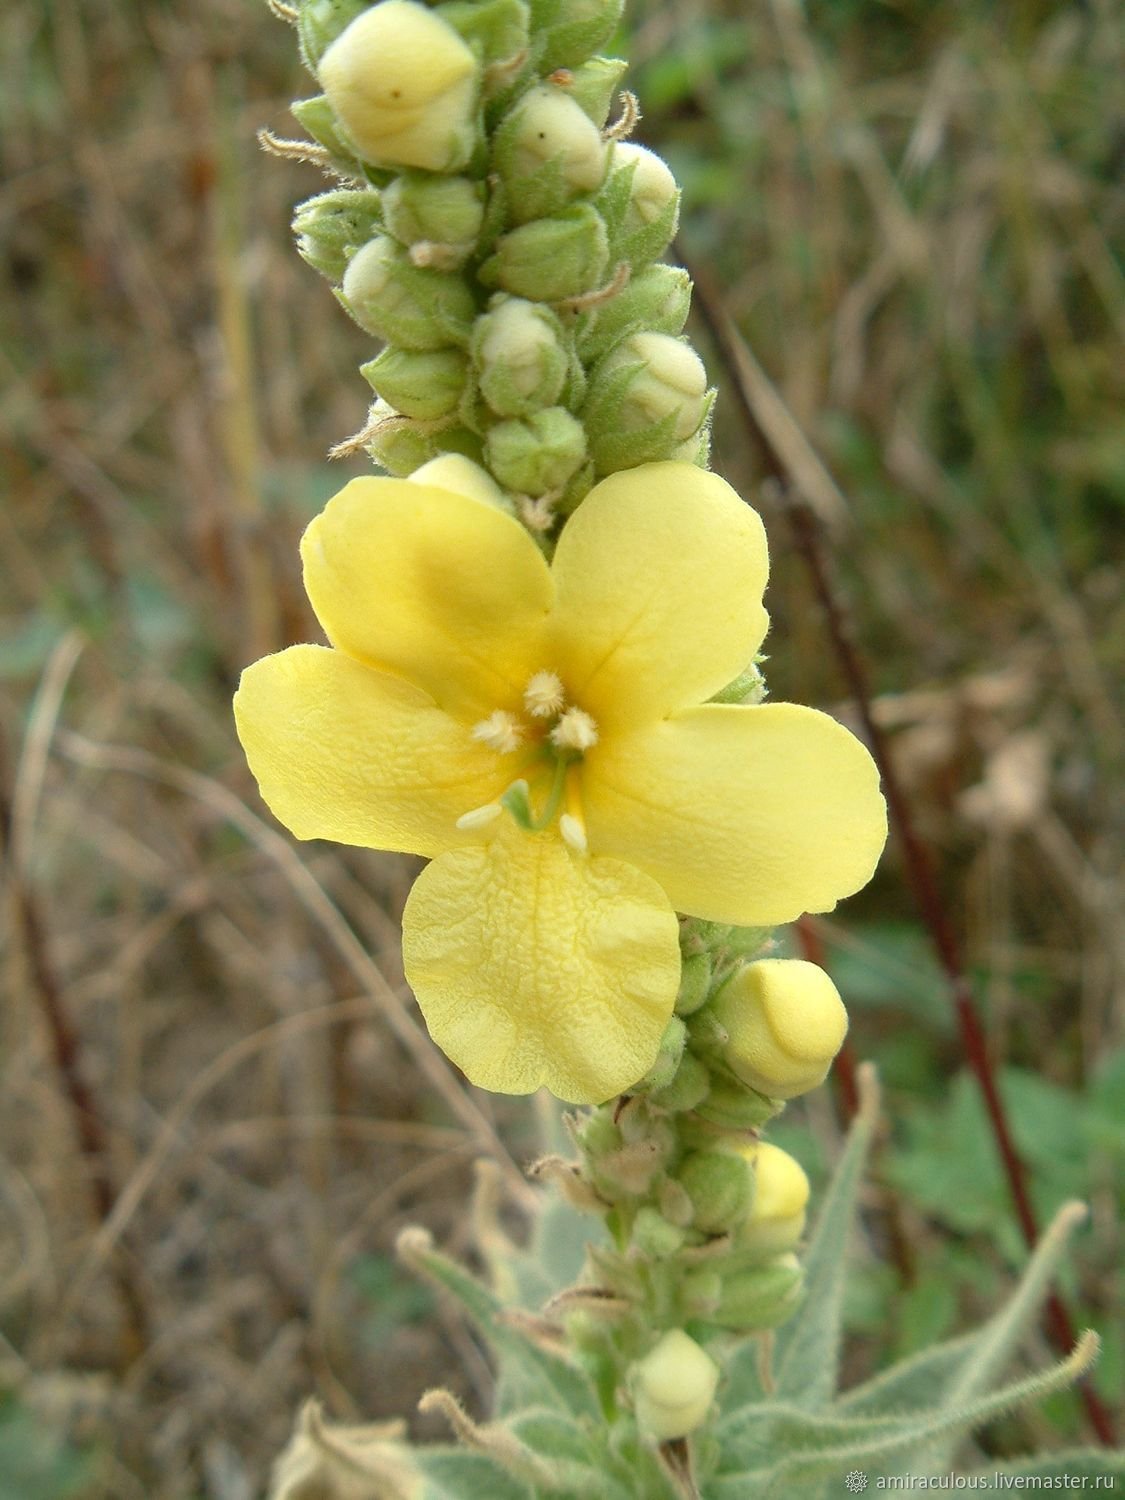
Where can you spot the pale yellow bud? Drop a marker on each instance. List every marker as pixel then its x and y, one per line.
pixel 653 187
pixel 403 85
pixel 453 471
pixel 785 1021
pixel 673 1387
pixel 549 126
pixel 781 1194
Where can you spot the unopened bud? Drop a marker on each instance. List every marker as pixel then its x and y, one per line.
pixel 536 454
pixel 567 32
pixel 455 472
pixel 547 152
pixel 785 1021
pixel 401 445
pixel 408 305
pixel 551 259
pixel 331 227
pixel 438 216
pixel 317 117
pixel 734 1106
pixel 646 397
pixel 422 383
pixel 654 1236
pixel 781 1193
pixel 668 1058
pixel 695 983
pixel 403 85
pixel 688 1087
pixel 673 1387
pixel 761 1297
pixel 641 205
pixel 656 300
pixel 496 29
pixel 520 356
pixel 720 1187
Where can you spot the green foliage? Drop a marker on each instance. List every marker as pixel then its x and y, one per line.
pixel 36 1464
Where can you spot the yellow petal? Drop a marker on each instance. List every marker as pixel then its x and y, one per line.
pixel 660 574
pixel 434 586
pixel 535 966
pixel 749 815
pixel 343 752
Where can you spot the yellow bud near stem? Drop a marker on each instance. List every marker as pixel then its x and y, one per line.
pixel 785 1021
pixel 403 85
pixel 776 1219
pixel 673 1387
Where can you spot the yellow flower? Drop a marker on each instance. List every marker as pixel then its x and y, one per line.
pixel 542 734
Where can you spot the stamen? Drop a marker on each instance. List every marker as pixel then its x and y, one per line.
pixel 500 731
pixel 574 834
pixel 544 695
pixel 480 817
pixel 576 730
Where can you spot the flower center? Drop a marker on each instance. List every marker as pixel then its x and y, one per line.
pixel 554 736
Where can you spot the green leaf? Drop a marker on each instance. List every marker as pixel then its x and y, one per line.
pixel 35 1463
pixel 808 1346
pixel 528 1374
pixel 457 1474
pixel 912 1383
pixel 1079 1463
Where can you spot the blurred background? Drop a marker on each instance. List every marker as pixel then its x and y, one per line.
pixel 216 1106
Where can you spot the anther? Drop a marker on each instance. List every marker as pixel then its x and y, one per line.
pixel 479 817
pixel 574 834
pixel 544 696
pixel 500 731
pixel 576 730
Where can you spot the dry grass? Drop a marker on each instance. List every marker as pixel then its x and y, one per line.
pixel 917 239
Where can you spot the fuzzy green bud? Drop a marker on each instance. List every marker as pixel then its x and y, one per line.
pixel 408 305
pixel 776 1219
pixel 654 1236
pixel 520 356
pixel 688 1087
pixel 695 983
pixel 668 1058
pixel 422 383
pixel 547 152
pixel 593 85
pixel 646 397
pixel 785 1022
pixel 731 1104
pixel 647 202
pixel 332 226
pixel 720 1186
pixel 316 116
pixel 760 1297
pixel 498 30
pixel 673 1387
pixel 567 32
pixel 537 454
pixel 320 22
pixel 437 218
pixel 656 300
pixel 402 445
pixel 403 85
pixel 550 260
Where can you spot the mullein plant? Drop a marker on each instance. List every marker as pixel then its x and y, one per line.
pixel 544 675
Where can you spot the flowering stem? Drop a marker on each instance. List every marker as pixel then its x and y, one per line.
pixel 919 867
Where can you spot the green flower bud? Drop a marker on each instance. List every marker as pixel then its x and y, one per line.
pixel 332 226
pixel 497 30
pixel 785 1021
pixel 547 152
pixel 600 1134
pixel 695 983
pixel 567 32
pixel 673 1387
pixel 552 259
pixel 747 687
pixel 536 454
pixel 408 305
pixel 437 218
pixel 732 1105
pixel 720 1186
pixel 320 22
pixel 593 85
pixel 422 383
pixel 761 1297
pixel 315 115
pixel 403 85
pixel 668 1058
pixel 700 1291
pixel 656 300
pixel 781 1193
pixel 520 355
pixel 654 1236
pixel 402 445
pixel 646 397
pixel 641 205
pixel 688 1088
